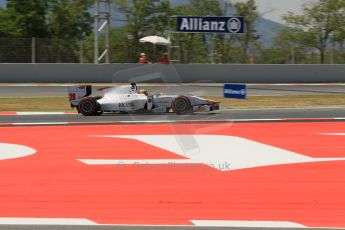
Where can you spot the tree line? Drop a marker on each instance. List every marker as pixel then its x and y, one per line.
pixel 64 32
pixel 316 36
pixel 57 25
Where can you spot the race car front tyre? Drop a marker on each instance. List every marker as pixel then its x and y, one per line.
pixel 88 106
pixel 181 105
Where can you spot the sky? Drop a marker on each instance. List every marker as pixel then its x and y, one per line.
pixel 275 9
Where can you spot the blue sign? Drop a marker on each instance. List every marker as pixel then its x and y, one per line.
pixel 235 91
pixel 233 25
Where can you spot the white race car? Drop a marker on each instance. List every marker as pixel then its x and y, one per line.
pixel 127 99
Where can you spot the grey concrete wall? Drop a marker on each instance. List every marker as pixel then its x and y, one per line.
pixel 90 73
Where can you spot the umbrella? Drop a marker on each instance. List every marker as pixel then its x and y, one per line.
pixel 156 40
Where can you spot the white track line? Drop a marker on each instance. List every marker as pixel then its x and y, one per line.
pixel 200 223
pixel 170 121
pixel 333 134
pixel 46 221
pixel 39 123
pixel 39 113
pixel 33 113
pixel 247 224
pixel 170 84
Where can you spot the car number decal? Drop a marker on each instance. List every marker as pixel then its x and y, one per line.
pixel 127 104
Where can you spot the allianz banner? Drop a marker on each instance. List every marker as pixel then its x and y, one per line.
pixel 235 91
pixel 234 25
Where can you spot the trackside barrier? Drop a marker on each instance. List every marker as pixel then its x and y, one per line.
pixel 173 73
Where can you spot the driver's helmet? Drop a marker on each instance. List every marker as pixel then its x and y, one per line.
pixel 134 88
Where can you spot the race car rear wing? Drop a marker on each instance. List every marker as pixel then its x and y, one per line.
pixel 76 93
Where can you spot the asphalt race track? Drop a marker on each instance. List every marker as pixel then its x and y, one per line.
pixel 199 90
pixel 228 115
pixel 264 168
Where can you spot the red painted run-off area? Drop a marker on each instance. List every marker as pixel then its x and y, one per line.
pixel 53 184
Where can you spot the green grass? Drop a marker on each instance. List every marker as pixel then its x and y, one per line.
pixel 44 104
pixel 284 101
pixel 61 104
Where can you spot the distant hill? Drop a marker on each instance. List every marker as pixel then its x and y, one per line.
pixel 267 29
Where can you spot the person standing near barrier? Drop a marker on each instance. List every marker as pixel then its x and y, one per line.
pixel 165 59
pixel 143 59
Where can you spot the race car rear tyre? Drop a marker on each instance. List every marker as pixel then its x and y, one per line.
pixel 88 106
pixel 181 105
